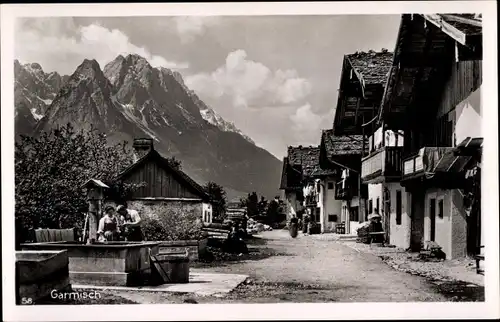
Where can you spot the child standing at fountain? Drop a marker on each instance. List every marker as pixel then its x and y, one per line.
pixel 108 226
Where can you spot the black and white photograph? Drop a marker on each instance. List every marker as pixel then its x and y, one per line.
pixel 252 153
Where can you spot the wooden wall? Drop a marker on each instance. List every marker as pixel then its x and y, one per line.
pixel 465 78
pixel 158 183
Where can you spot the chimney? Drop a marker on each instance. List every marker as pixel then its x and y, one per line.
pixel 142 147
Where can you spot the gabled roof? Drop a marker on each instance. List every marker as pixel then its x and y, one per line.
pixel 308 159
pixel 371 67
pixel 465 29
pixel 155 156
pixel 342 145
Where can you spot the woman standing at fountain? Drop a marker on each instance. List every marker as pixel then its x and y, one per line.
pixel 108 226
pixel 131 223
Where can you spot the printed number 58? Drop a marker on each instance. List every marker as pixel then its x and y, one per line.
pixel 26 300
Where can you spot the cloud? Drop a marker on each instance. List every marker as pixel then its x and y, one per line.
pixel 250 83
pixel 305 120
pixel 189 27
pixel 49 43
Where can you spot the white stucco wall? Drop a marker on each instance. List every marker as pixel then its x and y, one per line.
pixel 351 226
pixel 468 118
pixel 374 192
pixel 207 212
pixel 329 205
pixel 451 230
pixel 399 233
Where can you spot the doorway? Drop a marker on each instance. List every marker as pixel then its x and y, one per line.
pixel 417 219
pixel 433 218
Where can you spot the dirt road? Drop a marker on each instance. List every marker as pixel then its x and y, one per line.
pixel 308 269
pixel 320 270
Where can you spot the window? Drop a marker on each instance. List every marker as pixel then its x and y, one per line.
pixel 317 214
pixel 354 214
pixel 378 206
pixel 332 218
pixel 330 185
pixel 399 207
pixel 370 206
pixel 441 209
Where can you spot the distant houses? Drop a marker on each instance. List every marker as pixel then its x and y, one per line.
pixel 406 141
pixel 164 184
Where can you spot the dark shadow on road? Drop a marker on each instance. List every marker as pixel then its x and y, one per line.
pixel 459 291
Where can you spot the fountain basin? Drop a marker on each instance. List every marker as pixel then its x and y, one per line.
pixel 110 263
pixel 40 272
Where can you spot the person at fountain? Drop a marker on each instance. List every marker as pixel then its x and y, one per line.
pixel 131 223
pixel 108 225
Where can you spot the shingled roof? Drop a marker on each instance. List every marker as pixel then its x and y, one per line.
pixel 343 145
pixel 308 159
pixel 371 67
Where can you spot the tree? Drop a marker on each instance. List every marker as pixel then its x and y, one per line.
pixel 252 202
pixel 175 163
pixel 262 206
pixel 272 212
pixel 219 198
pixel 50 170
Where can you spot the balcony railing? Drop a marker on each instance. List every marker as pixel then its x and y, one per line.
pixel 413 165
pixel 424 161
pixel 311 200
pixel 385 162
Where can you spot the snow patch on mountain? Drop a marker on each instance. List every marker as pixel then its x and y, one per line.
pixel 36 116
pixel 215 119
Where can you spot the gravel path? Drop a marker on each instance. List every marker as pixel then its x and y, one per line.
pixel 309 269
pixel 336 272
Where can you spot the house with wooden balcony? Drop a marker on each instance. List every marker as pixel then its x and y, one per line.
pixel 342 154
pixel 433 98
pixel 309 188
pixel 362 83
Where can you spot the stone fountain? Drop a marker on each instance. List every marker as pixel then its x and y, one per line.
pixel 118 263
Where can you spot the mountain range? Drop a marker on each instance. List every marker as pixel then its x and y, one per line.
pixel 129 98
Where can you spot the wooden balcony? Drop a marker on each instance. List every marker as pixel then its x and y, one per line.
pixel 311 200
pixel 382 165
pixel 413 165
pixel 349 189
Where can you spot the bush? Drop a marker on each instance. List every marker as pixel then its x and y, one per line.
pixel 168 224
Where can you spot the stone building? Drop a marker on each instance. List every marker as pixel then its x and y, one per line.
pixel 163 185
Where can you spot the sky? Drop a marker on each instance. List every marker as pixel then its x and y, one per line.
pixel 275 77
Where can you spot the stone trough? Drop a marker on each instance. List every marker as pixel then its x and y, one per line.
pixel 110 263
pixel 38 273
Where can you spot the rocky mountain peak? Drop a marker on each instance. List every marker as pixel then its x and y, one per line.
pixel 128 99
pixel 35 66
pixel 175 74
pixel 89 68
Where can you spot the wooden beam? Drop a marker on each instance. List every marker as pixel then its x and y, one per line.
pixel 472 22
pixel 357 109
pixel 446 28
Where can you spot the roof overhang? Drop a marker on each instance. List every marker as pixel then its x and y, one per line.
pixel 460 36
